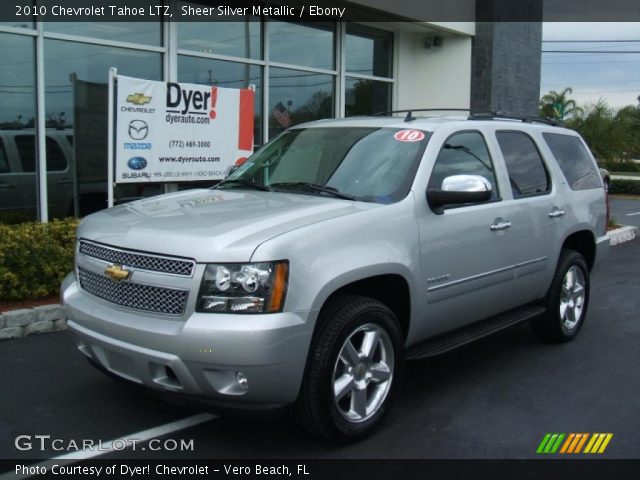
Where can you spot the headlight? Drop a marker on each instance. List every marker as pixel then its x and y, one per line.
pixel 243 287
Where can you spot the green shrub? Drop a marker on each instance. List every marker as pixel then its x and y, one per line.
pixel 626 187
pixel 35 257
pixel 621 167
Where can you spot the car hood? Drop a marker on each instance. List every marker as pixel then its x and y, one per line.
pixel 210 225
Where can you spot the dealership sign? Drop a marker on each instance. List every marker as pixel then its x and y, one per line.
pixel 172 132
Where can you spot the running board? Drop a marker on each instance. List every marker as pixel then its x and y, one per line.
pixel 461 336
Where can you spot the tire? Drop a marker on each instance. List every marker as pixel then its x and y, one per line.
pixel 353 371
pixel 566 301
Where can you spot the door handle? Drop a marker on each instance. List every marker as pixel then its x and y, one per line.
pixel 496 227
pixel 6 186
pixel 556 213
pixel 64 181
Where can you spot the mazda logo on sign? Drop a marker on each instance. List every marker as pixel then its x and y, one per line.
pixel 138 129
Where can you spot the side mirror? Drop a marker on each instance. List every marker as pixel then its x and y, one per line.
pixel 459 190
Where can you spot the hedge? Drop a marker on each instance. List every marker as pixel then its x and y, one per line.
pixel 35 257
pixel 624 186
pixel 621 167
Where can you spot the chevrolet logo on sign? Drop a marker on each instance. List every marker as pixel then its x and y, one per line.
pixel 117 273
pixel 138 99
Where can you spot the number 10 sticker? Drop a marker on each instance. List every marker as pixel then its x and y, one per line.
pixel 409 135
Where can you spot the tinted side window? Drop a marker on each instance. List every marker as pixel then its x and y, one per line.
pixel 27 151
pixel 4 161
pixel 464 154
pixel 527 173
pixel 574 161
pixel 56 160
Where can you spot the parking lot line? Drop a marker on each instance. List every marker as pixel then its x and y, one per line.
pixel 128 440
pixel 138 437
pixel 632 214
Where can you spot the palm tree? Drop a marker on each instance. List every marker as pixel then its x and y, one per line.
pixel 558 106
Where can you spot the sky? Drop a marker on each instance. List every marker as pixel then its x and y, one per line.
pixel 614 77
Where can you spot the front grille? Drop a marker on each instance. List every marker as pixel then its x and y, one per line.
pixel 142 261
pixel 171 301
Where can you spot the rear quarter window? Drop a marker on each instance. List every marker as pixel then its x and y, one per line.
pixel 574 161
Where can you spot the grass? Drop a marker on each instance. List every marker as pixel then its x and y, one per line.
pixel 626 174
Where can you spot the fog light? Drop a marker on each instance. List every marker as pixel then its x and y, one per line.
pixel 242 381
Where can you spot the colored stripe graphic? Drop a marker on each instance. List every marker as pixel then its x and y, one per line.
pixel 556 445
pixel 550 443
pixel 543 443
pixel 598 442
pixel 574 443
pixel 578 442
pixel 582 442
pixel 565 447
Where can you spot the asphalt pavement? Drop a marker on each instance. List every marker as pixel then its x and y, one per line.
pixel 495 398
pixel 626 211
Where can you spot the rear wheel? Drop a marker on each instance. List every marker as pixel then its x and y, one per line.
pixel 566 301
pixel 355 363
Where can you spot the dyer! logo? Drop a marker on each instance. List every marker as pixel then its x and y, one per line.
pixel 574 443
pixel 193 102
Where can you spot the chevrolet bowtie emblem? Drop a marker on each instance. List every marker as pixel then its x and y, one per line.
pixel 138 99
pixel 117 273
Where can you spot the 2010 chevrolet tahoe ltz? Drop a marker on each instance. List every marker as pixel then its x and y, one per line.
pixel 338 250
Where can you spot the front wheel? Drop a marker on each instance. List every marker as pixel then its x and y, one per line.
pixel 354 368
pixel 567 300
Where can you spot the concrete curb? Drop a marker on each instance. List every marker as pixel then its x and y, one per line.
pixel 29 321
pixel 621 235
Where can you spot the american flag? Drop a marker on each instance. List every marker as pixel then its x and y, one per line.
pixel 281 114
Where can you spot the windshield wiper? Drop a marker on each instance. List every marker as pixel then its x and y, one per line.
pixel 244 183
pixel 315 188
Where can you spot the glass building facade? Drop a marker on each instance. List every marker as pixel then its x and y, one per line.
pixel 53 92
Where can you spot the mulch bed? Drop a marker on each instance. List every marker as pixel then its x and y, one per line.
pixel 6 305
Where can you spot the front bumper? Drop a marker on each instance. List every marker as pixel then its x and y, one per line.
pixel 200 356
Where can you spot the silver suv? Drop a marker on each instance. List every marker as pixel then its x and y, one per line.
pixel 338 250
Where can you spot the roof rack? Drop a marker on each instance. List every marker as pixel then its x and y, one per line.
pixel 473 115
pixel 501 116
pixel 410 111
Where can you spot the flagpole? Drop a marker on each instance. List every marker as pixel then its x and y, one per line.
pixel 110 137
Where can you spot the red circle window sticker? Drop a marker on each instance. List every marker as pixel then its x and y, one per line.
pixel 409 135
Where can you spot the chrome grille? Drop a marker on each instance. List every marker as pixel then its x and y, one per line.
pixel 140 261
pixel 134 295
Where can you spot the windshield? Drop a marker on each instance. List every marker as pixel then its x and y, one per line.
pixel 367 164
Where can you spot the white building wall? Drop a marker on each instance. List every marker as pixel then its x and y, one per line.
pixel 432 78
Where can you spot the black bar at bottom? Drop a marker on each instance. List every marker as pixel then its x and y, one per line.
pixel 331 469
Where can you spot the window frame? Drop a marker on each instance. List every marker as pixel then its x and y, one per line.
pixel 588 156
pixel 550 184
pixel 496 177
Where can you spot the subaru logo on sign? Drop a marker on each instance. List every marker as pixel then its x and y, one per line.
pixel 137 163
pixel 138 129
